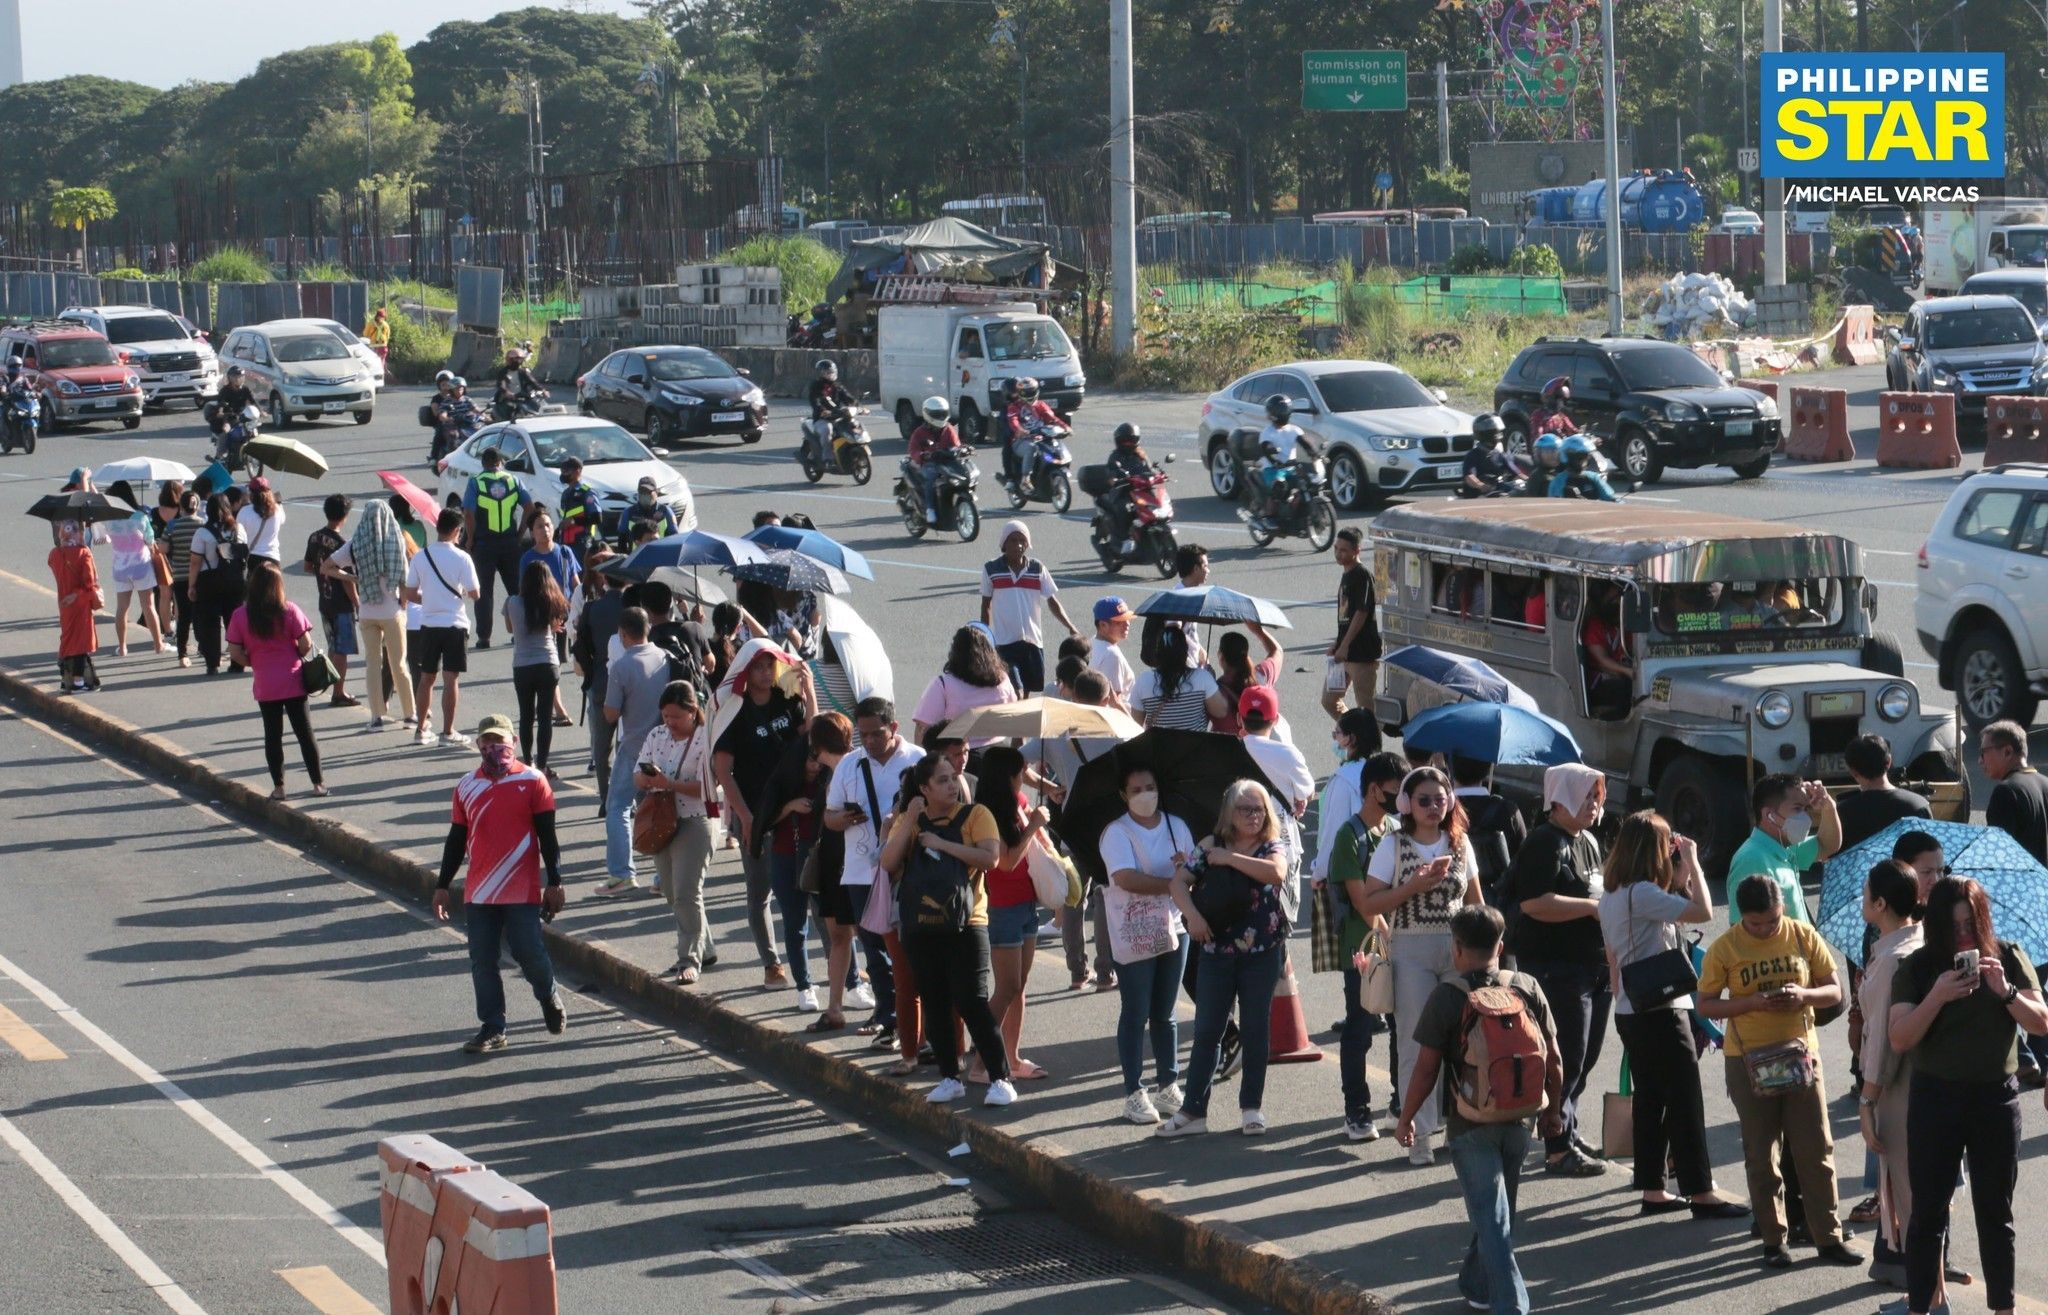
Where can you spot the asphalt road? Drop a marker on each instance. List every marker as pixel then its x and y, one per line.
pixel 203 1035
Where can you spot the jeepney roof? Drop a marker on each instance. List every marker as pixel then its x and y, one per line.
pixel 1661 544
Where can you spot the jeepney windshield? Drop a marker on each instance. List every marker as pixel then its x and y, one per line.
pixel 1760 607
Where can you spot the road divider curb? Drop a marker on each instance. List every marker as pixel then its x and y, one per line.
pixel 1256 1269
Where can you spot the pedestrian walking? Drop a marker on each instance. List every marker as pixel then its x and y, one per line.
pixel 78 603
pixel 1171 693
pixel 1354 841
pixel 1112 623
pixel 1242 956
pixel 1891 907
pixel 855 810
pixel 789 814
pixel 176 544
pixel 272 637
pixel 169 499
pixel 133 541
pixel 634 682
pixel 337 608
pixel 493 508
pixel 371 569
pixel 217 576
pixel 262 521
pixel 1487 1133
pixel 561 562
pixel 1012 898
pixel 973 677
pixel 533 618
pixel 504 825
pixel 675 760
pixel 442 580
pixel 754 731
pixel 1014 587
pixel 1354 657
pixel 596 627
pixel 1141 851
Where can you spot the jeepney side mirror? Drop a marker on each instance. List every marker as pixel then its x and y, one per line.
pixel 1869 601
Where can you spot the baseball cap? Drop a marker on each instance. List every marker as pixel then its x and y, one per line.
pixel 259 485
pixel 572 463
pixel 496 723
pixel 1110 608
pixel 647 482
pixel 1259 701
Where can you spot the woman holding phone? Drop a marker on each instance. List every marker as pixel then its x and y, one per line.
pixel 675 759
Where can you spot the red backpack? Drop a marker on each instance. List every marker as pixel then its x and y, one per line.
pixel 1498 1071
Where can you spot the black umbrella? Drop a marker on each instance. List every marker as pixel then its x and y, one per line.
pixel 1193 769
pixel 79 505
pixel 790 570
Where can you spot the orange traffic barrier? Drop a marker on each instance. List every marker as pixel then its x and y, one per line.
pixel 1917 430
pixel 1769 388
pixel 506 1265
pixel 411 1170
pixel 1288 1041
pixel 1817 428
pixel 2015 429
pixel 1856 341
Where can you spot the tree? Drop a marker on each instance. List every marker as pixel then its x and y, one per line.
pixel 65 127
pixel 75 207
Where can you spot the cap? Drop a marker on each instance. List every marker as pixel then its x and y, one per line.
pixel 569 463
pixel 259 485
pixel 647 482
pixel 1015 527
pixel 983 627
pixel 496 723
pixel 1260 701
pixel 78 477
pixel 1110 608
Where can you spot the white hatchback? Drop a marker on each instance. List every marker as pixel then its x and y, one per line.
pixel 1982 607
pixel 614 462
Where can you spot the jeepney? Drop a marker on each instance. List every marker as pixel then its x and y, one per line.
pixel 1752 646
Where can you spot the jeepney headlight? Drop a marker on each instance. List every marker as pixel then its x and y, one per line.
pixel 1894 702
pixel 1774 710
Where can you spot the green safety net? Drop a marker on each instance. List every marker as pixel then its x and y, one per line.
pixel 1440 296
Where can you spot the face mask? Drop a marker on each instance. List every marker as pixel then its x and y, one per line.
pixel 497 760
pixel 1797 827
pixel 1340 751
pixel 1144 803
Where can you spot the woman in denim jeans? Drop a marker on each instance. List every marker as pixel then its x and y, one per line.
pixel 1241 963
pixel 1140 851
pixel 791 805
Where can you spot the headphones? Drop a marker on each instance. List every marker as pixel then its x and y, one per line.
pixel 1401 804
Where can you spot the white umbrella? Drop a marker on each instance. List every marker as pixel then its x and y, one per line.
pixel 142 470
pixel 862 658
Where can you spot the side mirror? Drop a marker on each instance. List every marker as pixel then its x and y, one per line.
pixel 1869 601
pixel 1890 333
pixel 1171 458
pixel 744 374
pixel 1906 344
pixel 1440 395
pixel 1727 376
pixel 637 377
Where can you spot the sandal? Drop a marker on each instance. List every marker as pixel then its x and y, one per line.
pixel 826 1023
pixel 1865 1211
pixel 902 1068
pixel 1026 1071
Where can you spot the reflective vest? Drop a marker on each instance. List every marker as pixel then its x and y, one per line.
pixel 497 502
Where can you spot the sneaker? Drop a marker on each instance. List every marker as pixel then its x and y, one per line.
pixel 1361 1129
pixel 457 739
pixel 931 518
pixel 1575 1163
pixel 1000 1092
pixel 1167 1099
pixel 806 1000
pixel 1841 1253
pixel 1182 1124
pixel 1138 1108
pixel 1105 983
pixel 1252 1123
pixel 376 723
pixel 485 1041
pixel 425 739
pixel 555 1014
pixel 948 1089
pixel 616 888
pixel 481 644
pixel 1083 982
pixel 861 997
pixel 1420 1153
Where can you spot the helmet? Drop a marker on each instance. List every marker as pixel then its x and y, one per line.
pixel 1279 408
pixel 457 382
pixel 234 371
pixel 1547 443
pixel 936 411
pixel 250 415
pixel 1487 428
pixel 1127 433
pixel 1027 388
pixel 443 377
pixel 1578 445
pixel 514 355
pixel 820 309
pixel 1558 389
pixel 827 369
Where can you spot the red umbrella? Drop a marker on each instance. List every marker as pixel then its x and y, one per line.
pixel 421 500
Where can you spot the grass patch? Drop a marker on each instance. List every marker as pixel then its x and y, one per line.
pixel 230 265
pixel 418 351
pixel 327 271
pixel 807 266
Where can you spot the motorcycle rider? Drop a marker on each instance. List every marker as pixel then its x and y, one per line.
pixel 1279 444
pixel 580 513
pixel 931 443
pixel 1127 460
pixel 227 406
pixel 1489 470
pixel 644 511
pixel 1548 450
pixel 1026 416
pixel 828 397
pixel 515 382
pixel 17 386
pixel 455 416
pixel 1550 416
pixel 1579 478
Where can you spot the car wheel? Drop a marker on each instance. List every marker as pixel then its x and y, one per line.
pixel 1705 799
pixel 364 417
pixel 279 417
pixel 1753 469
pixel 650 424
pixel 1223 473
pixel 750 436
pixel 1517 439
pixel 1347 479
pixel 973 425
pixel 906 420
pixel 1990 686
pixel 131 422
pixel 1639 459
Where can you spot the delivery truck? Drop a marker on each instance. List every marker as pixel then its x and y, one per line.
pixel 967 354
pixel 2004 232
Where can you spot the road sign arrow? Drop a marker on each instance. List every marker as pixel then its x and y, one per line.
pixel 1355 97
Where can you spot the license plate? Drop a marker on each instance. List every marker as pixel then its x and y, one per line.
pixel 1739 428
pixel 102 406
pixel 723 417
pixel 332 408
pixel 1449 472
pixel 177 378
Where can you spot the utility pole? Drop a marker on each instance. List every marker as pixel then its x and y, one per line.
pixel 1774 188
pixel 1123 200
pixel 1613 154
pixel 1443 116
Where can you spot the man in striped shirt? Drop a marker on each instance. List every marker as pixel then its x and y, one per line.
pixel 178 548
pixel 504 822
pixel 1012 587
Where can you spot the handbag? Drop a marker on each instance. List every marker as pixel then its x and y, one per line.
pixel 1618 1119
pixel 878 915
pixel 1222 895
pixel 1050 872
pixel 810 878
pixel 317 673
pixel 1656 980
pixel 1781 1069
pixel 1375 977
pixel 654 821
pixel 160 564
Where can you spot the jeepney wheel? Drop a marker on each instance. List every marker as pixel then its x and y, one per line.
pixel 1703 798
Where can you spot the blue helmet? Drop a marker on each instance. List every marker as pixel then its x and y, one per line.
pixel 1546 443
pixel 1578 445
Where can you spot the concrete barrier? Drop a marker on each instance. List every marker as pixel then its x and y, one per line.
pixel 1856 342
pixel 1817 429
pixel 1917 431
pixel 410 1172
pixel 2015 429
pixel 1772 389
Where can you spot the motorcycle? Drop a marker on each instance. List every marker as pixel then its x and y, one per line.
pixel 24 416
pixel 1046 469
pixel 1307 511
pixel 229 445
pixel 1516 486
pixel 800 332
pixel 448 437
pixel 508 406
pixel 1150 526
pixel 957 509
pixel 845 437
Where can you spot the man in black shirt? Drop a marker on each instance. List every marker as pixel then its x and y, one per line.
pixel 590 647
pixel 746 747
pixel 1191 564
pixel 1358 628
pixel 2019 801
pixel 1875 803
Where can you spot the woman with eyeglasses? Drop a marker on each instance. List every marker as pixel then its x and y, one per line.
pixel 1241 960
pixel 1419 875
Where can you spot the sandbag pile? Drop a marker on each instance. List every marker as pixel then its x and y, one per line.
pixel 1689 306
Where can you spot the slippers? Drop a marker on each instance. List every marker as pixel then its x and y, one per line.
pixel 825 1023
pixel 902 1068
pixel 1026 1071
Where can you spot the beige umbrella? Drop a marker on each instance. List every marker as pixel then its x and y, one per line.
pixel 1041 718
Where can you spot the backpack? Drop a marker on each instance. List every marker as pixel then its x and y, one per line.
pixel 682 659
pixel 1501 1055
pixel 935 890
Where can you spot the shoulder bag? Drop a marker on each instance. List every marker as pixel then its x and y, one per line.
pixel 1051 872
pixel 317 672
pixel 879 914
pixel 1222 895
pixel 1375 977
pixel 1655 981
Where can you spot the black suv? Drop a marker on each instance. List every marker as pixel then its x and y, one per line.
pixel 1652 404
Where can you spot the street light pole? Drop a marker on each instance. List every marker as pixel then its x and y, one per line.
pixel 1123 201
pixel 1612 130
pixel 1774 188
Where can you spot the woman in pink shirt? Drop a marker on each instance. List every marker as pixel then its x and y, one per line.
pixel 974 677
pixel 270 636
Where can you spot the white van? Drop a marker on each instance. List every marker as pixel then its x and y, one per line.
pixel 966 354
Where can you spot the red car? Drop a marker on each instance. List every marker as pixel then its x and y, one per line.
pixel 75 372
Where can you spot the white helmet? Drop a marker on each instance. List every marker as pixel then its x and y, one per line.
pixel 444 376
pixel 250 415
pixel 936 411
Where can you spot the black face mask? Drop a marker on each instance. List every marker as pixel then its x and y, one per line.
pixel 1386 801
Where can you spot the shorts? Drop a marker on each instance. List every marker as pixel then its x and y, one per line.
pixel 135 575
pixel 843 904
pixel 341 633
pixel 442 648
pixel 1010 925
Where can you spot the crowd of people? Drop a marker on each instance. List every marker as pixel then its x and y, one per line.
pixel 918 861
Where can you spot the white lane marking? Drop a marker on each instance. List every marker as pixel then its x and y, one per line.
pixel 762 1270
pixel 199 1114
pixel 96 1219
pixel 1888 552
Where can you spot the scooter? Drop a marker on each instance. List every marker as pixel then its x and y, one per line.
pixel 509 406
pixel 230 448
pixel 24 416
pixel 448 437
pixel 1046 469
pixel 957 509
pixel 1306 512
pixel 814 333
pixel 845 437
pixel 1150 526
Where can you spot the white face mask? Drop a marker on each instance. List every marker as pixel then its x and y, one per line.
pixel 1797 827
pixel 1144 803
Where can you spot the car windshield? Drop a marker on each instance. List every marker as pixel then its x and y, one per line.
pixel 1748 606
pixel 1026 340
pixel 593 445
pixel 1664 367
pixel 341 331
pixel 672 369
pixel 2034 295
pixel 301 348
pixel 1371 390
pixel 144 328
pixel 1997 326
pixel 70 353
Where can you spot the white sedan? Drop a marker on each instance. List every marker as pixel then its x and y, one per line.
pixel 614 462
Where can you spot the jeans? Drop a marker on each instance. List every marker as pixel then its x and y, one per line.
pixel 602 733
pixel 755 866
pixel 181 598
pixel 1580 996
pixel 534 686
pixel 618 820
pixel 1488 1161
pixel 881 973
pixel 1074 937
pixel 1027 665
pixel 1668 1108
pixel 497 559
pixel 953 977
pixel 928 473
pixel 275 711
pixel 795 907
pixel 1353 1045
pixel 1223 980
pixel 679 872
pixel 1149 990
pixel 517 928
pixel 1946 1123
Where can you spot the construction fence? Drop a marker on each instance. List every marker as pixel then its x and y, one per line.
pixel 216 307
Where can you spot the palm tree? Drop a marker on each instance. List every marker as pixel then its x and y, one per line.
pixel 75 207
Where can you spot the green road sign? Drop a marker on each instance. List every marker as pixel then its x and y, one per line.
pixel 1354 80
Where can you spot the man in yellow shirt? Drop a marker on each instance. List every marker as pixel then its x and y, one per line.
pixel 377 333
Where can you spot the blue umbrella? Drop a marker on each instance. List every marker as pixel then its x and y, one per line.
pixel 2014 880
pixel 1214 604
pixel 1492 732
pixel 214 479
pixel 696 548
pixel 817 546
pixel 1468 678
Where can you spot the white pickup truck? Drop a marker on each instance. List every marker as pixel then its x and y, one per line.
pixel 966 354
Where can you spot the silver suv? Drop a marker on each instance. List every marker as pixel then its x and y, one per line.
pixel 174 364
pixel 1982 607
pixel 297 369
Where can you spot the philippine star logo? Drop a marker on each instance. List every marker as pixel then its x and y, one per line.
pixel 1902 125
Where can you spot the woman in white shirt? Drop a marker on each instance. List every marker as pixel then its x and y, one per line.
pixel 262 521
pixel 1149 940
pixel 1172 694
pixel 673 758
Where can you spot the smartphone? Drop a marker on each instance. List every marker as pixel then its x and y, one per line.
pixel 648 768
pixel 1966 961
pixel 1674 844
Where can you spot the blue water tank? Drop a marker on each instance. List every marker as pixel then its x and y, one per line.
pixel 1664 202
pixel 1552 205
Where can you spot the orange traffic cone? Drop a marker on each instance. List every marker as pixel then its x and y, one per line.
pixel 1288 1041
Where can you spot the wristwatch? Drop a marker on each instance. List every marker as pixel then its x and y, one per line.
pixel 2012 993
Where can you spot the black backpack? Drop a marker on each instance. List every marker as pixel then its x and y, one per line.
pixel 936 890
pixel 682 659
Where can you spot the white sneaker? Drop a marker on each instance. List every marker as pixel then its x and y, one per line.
pixel 862 996
pixel 1362 1130
pixel 1252 1123
pixel 1000 1092
pixel 1138 1108
pixel 457 739
pixel 425 739
pixel 1420 1153
pixel 1182 1124
pixel 949 1089
pixel 1167 1099
pixel 806 1000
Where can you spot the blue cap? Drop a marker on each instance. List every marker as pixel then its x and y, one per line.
pixel 982 626
pixel 1110 608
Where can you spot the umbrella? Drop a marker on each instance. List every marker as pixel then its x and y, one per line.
pixel 697 548
pixel 288 455
pixel 815 545
pixel 1042 718
pixel 2014 880
pixel 79 505
pixel 1214 603
pixel 1467 678
pixel 854 658
pixel 142 470
pixel 794 572
pixel 1193 768
pixel 684 582
pixel 416 497
pixel 214 479
pixel 1492 732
